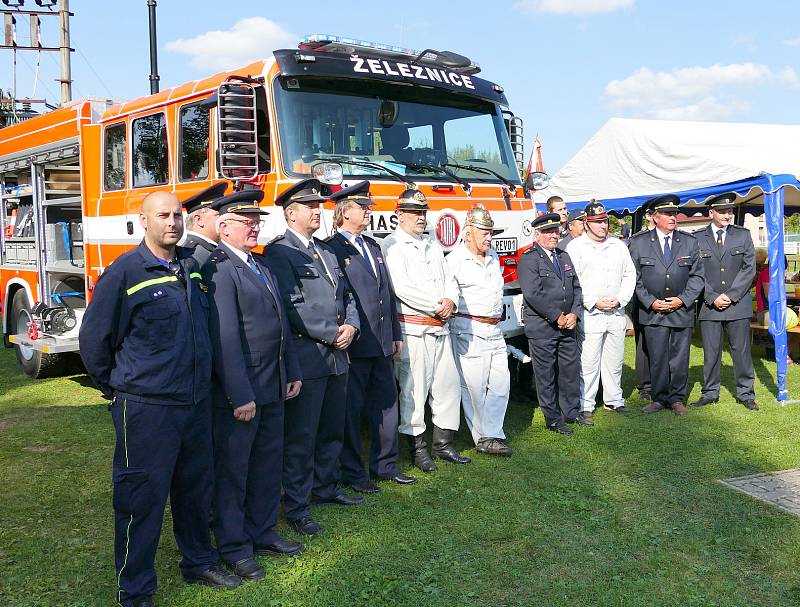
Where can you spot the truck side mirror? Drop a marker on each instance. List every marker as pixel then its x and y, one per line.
pixel 237 130
pixel 536 181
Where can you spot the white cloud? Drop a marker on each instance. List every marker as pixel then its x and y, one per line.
pixel 693 93
pixel 248 40
pixel 572 7
pixel 792 42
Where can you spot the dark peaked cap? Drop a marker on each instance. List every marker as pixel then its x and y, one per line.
pixel 547 221
pixel 722 201
pixel 205 198
pixel 243 201
pixel 304 192
pixel 665 202
pixel 358 193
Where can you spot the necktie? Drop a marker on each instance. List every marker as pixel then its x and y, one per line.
pixel 252 263
pixel 719 238
pixel 363 247
pixel 555 263
pixel 667 251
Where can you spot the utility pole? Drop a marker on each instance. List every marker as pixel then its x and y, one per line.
pixel 66 68
pixel 154 77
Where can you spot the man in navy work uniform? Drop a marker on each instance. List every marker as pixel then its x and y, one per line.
pixel 145 343
pixel 371 387
pixel 729 266
pixel 669 278
pixel 202 233
pixel 255 371
pixel 553 299
pixel 324 321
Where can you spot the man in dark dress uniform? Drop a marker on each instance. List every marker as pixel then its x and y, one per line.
pixel 729 265
pixel 552 299
pixel 324 321
pixel 669 278
pixel 255 372
pixel 371 387
pixel 145 343
pixel 202 233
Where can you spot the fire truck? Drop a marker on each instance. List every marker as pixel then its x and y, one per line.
pixel 341 110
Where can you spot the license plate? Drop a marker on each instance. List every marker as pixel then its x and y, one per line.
pixel 504 246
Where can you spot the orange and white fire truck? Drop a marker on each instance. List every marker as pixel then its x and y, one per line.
pixel 343 110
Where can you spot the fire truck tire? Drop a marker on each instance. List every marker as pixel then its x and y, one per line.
pixel 32 363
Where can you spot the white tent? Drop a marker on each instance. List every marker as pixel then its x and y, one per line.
pixel 629 161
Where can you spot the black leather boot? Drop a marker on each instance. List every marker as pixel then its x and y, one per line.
pixel 419 453
pixel 443 447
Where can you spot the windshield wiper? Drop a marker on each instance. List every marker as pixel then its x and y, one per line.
pixel 416 166
pixel 477 169
pixel 370 165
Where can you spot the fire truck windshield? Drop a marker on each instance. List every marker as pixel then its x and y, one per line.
pixel 398 127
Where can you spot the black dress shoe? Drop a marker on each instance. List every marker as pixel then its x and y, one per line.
pixel 215 577
pixel 342 499
pixel 749 404
pixel 145 601
pixel 622 409
pixel 364 487
pixel 561 429
pixel 703 401
pixel 280 547
pixel 248 569
pixel 306 526
pixel 398 477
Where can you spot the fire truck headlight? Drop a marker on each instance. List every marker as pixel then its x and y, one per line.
pixel 329 173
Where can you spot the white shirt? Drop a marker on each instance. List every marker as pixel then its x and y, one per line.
pixel 662 239
pixel 200 236
pixel 420 277
pixel 352 239
pixel 605 269
pixel 480 290
pixel 238 252
pixel 715 229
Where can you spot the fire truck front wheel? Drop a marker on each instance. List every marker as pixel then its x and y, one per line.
pixel 31 362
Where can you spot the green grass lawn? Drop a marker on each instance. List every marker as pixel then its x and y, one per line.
pixel 628 513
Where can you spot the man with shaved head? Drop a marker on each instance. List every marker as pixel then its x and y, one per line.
pixel 145 343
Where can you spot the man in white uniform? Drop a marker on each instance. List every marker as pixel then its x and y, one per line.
pixel 426 295
pixel 608 278
pixel 478 343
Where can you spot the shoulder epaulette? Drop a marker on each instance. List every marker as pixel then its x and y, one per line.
pixel 217 256
pixel 640 233
pixel 685 233
pixel 274 240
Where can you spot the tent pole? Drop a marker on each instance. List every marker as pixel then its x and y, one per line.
pixel 773 209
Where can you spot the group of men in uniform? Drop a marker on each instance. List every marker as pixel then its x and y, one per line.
pixel 575 297
pixel 238 381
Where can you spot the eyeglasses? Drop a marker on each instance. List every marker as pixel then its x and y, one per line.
pixel 250 223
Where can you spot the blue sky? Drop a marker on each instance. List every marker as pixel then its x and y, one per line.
pixel 567 65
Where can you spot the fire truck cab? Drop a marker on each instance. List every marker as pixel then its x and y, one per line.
pixel 342 110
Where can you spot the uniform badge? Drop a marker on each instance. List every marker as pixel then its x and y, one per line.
pixel 567 267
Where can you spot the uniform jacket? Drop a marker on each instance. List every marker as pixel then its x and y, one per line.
pixel 316 307
pixel 420 278
pixel 373 295
pixel 683 277
pixel 145 333
pixel 545 294
pixel 728 270
pixel 253 354
pixel 200 247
